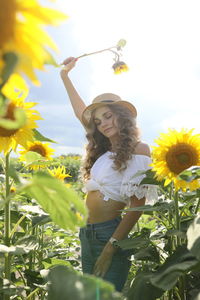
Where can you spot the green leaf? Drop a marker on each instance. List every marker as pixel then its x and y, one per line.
pixel 50 60
pixel 63 205
pixel 149 177
pixel 41 220
pixel 50 262
pixel 39 137
pixel 33 278
pixel 193 237
pixel 133 243
pixel 190 174
pixel 15 216
pixel 150 253
pixel 29 242
pixel 64 283
pixel 179 263
pixel 13 174
pixel 138 240
pixel 148 207
pixel 32 159
pixel 142 289
pixel 23 246
pixel 148 180
pixel 2 104
pixel 175 232
pixel 31 156
pixel 10 59
pixel 41 162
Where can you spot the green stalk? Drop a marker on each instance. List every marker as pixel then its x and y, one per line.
pixel 177 216
pixel 17 224
pixel 99 51
pixel 7 268
pixel 41 242
pixel 32 293
pixel 138 226
pixel 197 207
pixel 181 283
pixel 170 294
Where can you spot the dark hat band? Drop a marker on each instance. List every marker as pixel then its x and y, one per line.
pixel 108 101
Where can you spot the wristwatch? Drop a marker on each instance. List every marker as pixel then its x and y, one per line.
pixel 113 241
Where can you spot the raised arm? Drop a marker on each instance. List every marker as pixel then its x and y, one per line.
pixel 77 103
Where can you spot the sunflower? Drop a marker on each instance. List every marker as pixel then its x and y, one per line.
pixel 59 173
pixel 10 138
pixel 21 34
pixel 176 151
pixel 120 67
pixel 15 87
pixel 41 148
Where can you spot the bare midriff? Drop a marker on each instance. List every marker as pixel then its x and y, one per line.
pixel 100 210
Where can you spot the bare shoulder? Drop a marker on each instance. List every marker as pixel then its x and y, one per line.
pixel 143 149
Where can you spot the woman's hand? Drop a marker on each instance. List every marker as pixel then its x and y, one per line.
pixel 102 265
pixel 69 63
pixel 104 261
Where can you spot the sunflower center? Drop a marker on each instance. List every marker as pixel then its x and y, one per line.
pixel 9 116
pixel 8 8
pixel 39 149
pixel 180 157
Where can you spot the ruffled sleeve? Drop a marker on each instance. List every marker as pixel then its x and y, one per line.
pixel 131 184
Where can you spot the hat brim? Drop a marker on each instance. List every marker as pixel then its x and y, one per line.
pixel 87 113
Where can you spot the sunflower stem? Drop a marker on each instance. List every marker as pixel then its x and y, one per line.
pixel 170 295
pixel 181 282
pixel 197 207
pixel 177 216
pixel 7 269
pixel 99 51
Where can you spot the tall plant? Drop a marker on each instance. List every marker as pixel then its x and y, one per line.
pixel 172 262
pixel 33 202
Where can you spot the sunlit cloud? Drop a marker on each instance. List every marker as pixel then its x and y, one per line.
pixel 162 54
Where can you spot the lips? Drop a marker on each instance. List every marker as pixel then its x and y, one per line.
pixel 107 129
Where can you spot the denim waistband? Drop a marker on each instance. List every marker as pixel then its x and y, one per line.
pixel 103 224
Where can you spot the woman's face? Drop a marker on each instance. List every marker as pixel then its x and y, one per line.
pixel 106 121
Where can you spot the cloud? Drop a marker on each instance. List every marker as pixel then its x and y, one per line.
pixel 59 150
pixel 162 53
pixel 182 120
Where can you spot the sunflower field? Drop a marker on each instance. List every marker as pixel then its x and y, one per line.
pixel 42 202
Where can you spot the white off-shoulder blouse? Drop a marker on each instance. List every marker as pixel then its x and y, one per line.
pixel 121 185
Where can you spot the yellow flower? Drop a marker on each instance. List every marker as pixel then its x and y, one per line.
pixel 42 148
pixel 176 151
pixel 76 157
pixel 13 189
pixel 15 87
pixel 21 32
pixel 79 216
pixel 120 67
pixel 59 173
pixel 11 138
pixel 68 185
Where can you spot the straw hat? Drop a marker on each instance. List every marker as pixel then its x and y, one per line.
pixel 105 99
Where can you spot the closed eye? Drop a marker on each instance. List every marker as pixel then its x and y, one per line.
pixel 108 116
pixel 97 123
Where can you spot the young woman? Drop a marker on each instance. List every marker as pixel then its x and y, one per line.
pixel 114 155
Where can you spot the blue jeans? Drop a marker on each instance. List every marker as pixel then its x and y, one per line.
pixel 93 238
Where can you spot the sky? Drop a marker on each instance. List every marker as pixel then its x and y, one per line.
pixel 162 53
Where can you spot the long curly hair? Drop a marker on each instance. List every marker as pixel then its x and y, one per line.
pixel 98 144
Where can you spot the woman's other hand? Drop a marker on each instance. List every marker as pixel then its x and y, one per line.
pixel 68 64
pixel 104 261
pixel 102 265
